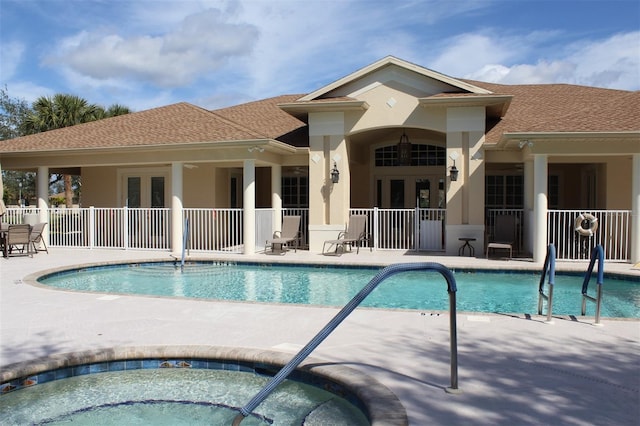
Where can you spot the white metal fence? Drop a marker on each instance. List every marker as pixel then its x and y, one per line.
pixel 613 233
pixel 405 229
pixel 389 229
pixel 215 229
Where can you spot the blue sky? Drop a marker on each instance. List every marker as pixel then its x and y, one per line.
pixel 144 54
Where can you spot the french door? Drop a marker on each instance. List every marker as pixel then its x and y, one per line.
pixel 145 190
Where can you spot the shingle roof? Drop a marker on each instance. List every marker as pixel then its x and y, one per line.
pixel 534 108
pixel 564 108
pixel 172 124
pixel 266 117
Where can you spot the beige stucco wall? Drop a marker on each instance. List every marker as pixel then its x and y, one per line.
pixel 205 186
pixel 618 183
pixel 199 186
pixel 465 136
pixel 99 187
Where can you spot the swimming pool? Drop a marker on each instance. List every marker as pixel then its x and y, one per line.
pixel 478 291
pixel 204 386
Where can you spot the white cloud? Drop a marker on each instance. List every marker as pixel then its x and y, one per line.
pixel 614 62
pixel 221 52
pixel 11 54
pixel 203 43
pixel 611 63
pixel 28 91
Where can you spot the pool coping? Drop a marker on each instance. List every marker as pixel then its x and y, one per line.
pixel 382 406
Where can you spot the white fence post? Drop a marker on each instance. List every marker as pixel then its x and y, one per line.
pixel 125 227
pixel 92 227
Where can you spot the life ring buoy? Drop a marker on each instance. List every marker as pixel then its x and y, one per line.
pixel 593 224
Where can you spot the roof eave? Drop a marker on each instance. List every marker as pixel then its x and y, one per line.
pixel 497 105
pixel 301 109
pixel 266 144
pixel 515 139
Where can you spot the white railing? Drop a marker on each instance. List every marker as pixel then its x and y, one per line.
pixel 390 229
pixel 148 229
pixel 613 234
pixel 123 228
pixel 69 227
pixel 221 230
pixel 215 229
pixel 17 215
pixel 404 229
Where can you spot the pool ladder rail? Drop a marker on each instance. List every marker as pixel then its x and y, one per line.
pixel 596 254
pixel 550 267
pixel 185 243
pixel 350 307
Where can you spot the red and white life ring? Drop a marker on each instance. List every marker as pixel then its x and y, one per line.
pixel 593 224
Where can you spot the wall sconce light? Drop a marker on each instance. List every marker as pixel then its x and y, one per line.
pixel 335 174
pixel 453 172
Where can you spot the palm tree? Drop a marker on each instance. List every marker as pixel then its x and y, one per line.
pixel 64 110
pixel 59 111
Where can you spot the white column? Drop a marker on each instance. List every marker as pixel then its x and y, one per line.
pixel 635 209
pixel 249 202
pixel 540 170
pixel 42 192
pixel 276 196
pixel 528 224
pixel 176 208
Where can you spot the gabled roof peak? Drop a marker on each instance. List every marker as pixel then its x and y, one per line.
pixel 393 61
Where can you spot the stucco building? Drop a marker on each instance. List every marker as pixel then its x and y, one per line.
pixel 394 130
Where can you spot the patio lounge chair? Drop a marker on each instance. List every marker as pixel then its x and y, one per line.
pixel 36 237
pixel 17 240
pixel 290 235
pixel 504 234
pixel 355 234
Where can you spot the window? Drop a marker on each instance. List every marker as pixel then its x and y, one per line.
pixel 157 191
pixel 133 192
pixel 421 155
pixel 504 192
pixel 507 192
pixel 295 191
pixel 553 191
pixel 143 188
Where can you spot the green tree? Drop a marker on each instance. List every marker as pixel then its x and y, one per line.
pixel 13 112
pixel 63 110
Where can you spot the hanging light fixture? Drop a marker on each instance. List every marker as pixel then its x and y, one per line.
pixel 335 174
pixel 453 172
pixel 404 150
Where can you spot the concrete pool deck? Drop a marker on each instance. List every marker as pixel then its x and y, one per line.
pixel 514 369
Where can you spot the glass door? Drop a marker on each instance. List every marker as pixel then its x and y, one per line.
pixel 145 191
pixel 407 193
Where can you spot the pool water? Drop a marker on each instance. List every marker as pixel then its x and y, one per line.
pixel 178 396
pixel 478 291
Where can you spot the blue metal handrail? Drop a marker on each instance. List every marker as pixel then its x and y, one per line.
pixel 185 240
pixel 550 267
pixel 596 254
pixel 345 311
